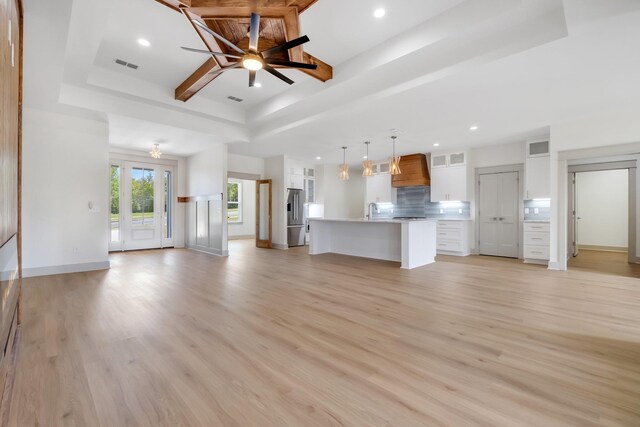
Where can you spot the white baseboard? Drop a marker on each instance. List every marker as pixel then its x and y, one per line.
pixel 248 236
pixel 65 269
pixel 206 250
pixel 556 266
pixel 603 248
pixel 280 246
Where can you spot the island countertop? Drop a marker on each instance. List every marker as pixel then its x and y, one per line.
pixel 374 221
pixel 412 242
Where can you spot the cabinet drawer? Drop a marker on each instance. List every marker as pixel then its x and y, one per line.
pixel 536 226
pixel 448 234
pixel 536 252
pixel 443 224
pixel 448 246
pixel 536 238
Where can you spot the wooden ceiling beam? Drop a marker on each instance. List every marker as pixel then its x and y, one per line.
pixel 324 71
pixel 175 4
pixel 301 5
pixel 204 75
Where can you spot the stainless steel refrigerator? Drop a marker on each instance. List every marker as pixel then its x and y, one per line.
pixel 295 217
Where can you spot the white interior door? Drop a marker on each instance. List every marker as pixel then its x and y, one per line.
pixel 489 206
pixel 499 218
pixel 508 218
pixel 146 206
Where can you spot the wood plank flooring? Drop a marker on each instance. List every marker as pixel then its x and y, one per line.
pixel 278 338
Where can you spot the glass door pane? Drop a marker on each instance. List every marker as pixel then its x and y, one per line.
pixel 166 223
pixel 142 192
pixel 114 214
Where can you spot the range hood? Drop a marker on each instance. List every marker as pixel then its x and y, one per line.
pixel 414 172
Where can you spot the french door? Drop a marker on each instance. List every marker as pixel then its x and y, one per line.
pixel 141 206
pixel 498 201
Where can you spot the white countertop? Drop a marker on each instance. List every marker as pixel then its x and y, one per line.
pixel 536 220
pixel 374 221
pixel 453 219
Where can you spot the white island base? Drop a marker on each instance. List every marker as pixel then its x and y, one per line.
pixel 410 242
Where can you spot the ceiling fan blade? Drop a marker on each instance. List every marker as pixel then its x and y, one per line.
pixel 252 78
pixel 190 49
pixel 292 64
pixel 278 74
pixel 217 36
pixel 285 46
pixel 254 32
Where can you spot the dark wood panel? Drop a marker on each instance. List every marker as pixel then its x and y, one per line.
pixel 413 170
pixel 9 117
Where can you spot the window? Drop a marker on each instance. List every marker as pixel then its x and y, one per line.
pixel 234 201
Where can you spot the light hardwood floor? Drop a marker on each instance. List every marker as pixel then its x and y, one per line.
pixel 279 338
pixel 615 263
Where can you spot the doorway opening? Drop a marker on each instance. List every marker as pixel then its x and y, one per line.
pixel 602 223
pixel 141 199
pixel 249 207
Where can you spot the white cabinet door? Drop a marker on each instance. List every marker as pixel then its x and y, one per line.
pixel 457 183
pixel 439 177
pixel 498 200
pixel 537 179
pixel 296 181
pixel 449 184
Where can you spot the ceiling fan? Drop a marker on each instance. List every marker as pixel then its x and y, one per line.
pixel 252 59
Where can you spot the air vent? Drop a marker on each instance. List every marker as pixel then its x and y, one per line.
pixel 126 64
pixel 233 98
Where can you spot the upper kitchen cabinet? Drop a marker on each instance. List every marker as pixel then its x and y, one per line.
pixel 537 171
pixel 295 177
pixel 414 171
pixel 449 177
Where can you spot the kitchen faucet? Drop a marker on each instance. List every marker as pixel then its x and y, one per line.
pixel 369 211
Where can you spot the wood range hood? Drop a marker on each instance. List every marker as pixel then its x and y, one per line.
pixel 414 171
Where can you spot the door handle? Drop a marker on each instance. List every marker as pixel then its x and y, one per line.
pixel 501 219
pixel 495 218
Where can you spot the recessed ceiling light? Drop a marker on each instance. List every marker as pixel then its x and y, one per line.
pixel 318 158
pixel 436 144
pixel 364 157
pixel 257 84
pixel 379 12
pixel 474 127
pixel 144 42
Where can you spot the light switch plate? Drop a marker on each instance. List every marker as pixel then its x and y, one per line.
pixel 526 211
pixel 536 211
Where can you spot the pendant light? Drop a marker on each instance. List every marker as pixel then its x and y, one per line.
pixel 156 153
pixel 367 165
pixel 394 162
pixel 344 167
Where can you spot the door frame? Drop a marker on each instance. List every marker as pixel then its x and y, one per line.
pixel 631 166
pixel 267 244
pixel 118 159
pixel 519 168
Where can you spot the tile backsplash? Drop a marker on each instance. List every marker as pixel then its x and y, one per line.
pixel 416 202
pixel 537 210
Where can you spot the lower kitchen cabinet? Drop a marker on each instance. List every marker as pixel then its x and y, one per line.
pixel 536 242
pixel 453 236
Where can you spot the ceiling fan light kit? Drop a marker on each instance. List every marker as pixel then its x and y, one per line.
pixel 253 59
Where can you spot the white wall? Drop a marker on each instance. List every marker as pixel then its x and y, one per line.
pixel 274 169
pixel 603 206
pixel 65 166
pixel 247 228
pixel 245 164
pixel 206 175
pixel 341 199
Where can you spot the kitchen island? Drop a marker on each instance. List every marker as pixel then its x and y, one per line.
pixel 410 242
